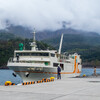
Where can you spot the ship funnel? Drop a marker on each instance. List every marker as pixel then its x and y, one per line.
pixel 60 44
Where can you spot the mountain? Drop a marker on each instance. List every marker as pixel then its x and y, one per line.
pixel 6 36
pixel 73 40
pixel 25 32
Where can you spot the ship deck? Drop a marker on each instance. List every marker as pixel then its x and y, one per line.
pixel 66 89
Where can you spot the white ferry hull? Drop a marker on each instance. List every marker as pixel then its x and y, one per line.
pixel 35 75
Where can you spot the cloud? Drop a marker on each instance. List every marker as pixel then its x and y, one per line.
pixel 50 14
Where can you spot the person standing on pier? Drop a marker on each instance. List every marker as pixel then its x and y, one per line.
pixel 58 72
pixel 95 71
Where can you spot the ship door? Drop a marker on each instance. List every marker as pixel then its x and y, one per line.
pixel 62 66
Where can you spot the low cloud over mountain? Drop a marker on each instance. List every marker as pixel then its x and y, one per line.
pixel 51 14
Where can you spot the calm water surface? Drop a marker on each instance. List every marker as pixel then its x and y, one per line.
pixel 6 75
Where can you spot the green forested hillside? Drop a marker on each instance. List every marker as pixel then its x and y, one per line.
pixel 6 36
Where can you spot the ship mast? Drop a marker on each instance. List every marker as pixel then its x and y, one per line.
pixel 60 44
pixel 33 44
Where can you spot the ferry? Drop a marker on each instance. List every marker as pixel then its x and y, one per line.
pixel 34 64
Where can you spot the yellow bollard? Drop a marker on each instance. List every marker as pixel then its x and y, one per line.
pixel 52 78
pixel 8 83
pixel 84 75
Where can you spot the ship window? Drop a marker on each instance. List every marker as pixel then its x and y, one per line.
pixel 68 61
pixel 32 54
pixel 45 54
pixel 52 55
pixel 23 54
pixel 55 64
pixel 62 66
pixel 26 54
pixel 20 54
pixel 40 54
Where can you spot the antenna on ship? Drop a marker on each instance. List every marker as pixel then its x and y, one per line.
pixel 60 46
pixel 33 44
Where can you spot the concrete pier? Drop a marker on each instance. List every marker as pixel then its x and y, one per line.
pixel 67 89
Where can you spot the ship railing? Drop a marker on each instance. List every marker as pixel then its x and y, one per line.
pixel 12 60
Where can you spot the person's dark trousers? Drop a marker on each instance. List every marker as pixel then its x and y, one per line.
pixel 59 76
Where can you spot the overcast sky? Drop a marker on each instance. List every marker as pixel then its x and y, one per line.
pixel 49 14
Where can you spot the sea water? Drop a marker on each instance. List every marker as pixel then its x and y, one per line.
pixel 89 71
pixel 6 75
